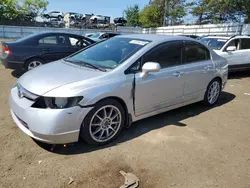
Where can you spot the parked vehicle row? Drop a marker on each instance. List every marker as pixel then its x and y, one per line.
pixel 104 87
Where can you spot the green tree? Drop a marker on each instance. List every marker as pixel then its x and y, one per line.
pixel 132 15
pixel 33 8
pixel 174 10
pixel 150 16
pixel 16 11
pixel 214 11
pixel 8 9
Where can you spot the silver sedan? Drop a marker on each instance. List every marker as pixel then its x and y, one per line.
pixel 96 92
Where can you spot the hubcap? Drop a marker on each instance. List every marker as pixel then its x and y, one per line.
pixel 105 123
pixel 213 92
pixel 34 64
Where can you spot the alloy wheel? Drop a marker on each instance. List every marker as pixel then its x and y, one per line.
pixel 105 123
pixel 34 64
pixel 213 92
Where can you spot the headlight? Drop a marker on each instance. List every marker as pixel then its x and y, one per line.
pixel 56 102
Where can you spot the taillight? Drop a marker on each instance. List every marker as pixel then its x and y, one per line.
pixel 6 50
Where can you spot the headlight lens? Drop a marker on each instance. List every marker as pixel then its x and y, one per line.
pixel 56 102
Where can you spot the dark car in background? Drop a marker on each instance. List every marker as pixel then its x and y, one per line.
pixel 37 49
pixel 120 21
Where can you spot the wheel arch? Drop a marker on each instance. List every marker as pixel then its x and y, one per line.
pixel 128 116
pixel 218 78
pixel 33 57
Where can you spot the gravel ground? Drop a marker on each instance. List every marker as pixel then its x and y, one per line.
pixel 193 146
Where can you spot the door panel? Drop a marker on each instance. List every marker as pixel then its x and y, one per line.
pixel 165 88
pixel 53 47
pixel 197 77
pixel 159 90
pixel 234 57
pixel 245 50
pixel 199 70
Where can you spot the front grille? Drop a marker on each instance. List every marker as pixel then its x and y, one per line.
pixel 23 122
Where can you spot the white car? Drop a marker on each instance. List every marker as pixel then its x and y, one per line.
pixel 54 14
pixel 235 49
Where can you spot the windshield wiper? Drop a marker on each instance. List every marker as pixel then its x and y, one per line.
pixel 82 63
pixel 91 65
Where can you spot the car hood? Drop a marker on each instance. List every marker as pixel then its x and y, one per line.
pixel 47 77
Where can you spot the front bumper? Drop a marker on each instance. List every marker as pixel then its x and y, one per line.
pixel 54 126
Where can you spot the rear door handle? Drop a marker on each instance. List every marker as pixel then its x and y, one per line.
pixel 178 74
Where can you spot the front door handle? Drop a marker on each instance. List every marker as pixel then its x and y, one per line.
pixel 178 74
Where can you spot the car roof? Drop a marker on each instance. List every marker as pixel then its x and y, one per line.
pixel 216 37
pixel 156 38
pixel 56 33
pixel 226 37
pixel 30 38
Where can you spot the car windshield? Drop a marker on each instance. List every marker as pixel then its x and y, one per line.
pixel 96 35
pixel 110 53
pixel 214 43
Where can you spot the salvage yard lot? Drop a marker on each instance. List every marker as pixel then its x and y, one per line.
pixel 191 147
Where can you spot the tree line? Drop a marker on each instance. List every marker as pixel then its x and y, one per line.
pixel 172 12
pixel 17 11
pixel 156 13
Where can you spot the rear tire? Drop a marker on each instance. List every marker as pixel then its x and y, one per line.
pixel 103 123
pixel 33 63
pixel 213 92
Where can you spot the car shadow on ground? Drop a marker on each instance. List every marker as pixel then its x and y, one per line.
pixel 239 75
pixel 17 73
pixel 141 127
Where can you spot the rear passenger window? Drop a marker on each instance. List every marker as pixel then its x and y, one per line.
pixel 51 40
pixel 195 52
pixel 245 44
pixel 166 55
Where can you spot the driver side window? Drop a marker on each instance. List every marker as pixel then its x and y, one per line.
pixel 77 42
pixel 234 43
pixel 167 55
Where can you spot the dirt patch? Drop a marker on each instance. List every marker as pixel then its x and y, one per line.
pixel 194 146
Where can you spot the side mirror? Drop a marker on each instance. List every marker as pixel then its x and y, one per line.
pixel 150 67
pixel 231 48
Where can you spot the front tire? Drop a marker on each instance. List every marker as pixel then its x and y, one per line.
pixel 213 92
pixel 103 123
